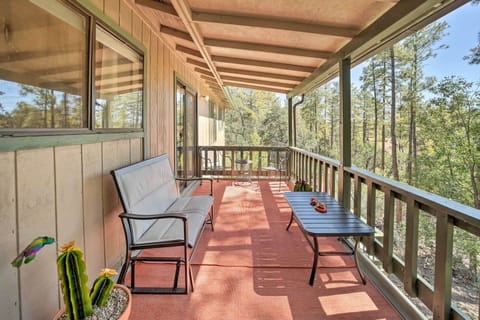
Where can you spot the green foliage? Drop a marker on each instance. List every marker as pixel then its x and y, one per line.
pixel 258 119
pixel 73 277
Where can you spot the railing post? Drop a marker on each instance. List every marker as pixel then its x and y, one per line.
pixel 344 182
pixel 371 195
pixel 388 220
pixel 442 295
pixel 411 248
pixel 357 196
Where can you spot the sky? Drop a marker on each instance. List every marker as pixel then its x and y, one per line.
pixel 462 35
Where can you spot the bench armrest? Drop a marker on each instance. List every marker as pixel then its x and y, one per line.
pixel 198 179
pixel 169 215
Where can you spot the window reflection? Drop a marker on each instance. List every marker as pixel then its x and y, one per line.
pixel 42 66
pixel 118 83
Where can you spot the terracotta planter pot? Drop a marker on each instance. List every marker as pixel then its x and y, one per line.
pixel 126 312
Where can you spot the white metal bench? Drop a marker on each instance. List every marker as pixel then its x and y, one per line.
pixel 156 216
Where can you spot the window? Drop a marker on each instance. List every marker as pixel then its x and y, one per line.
pixel 45 72
pixel 118 83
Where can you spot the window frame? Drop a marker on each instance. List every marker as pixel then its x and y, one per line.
pixel 94 17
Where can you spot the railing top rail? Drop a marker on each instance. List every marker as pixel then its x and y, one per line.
pixel 434 201
pixel 438 203
pixel 317 156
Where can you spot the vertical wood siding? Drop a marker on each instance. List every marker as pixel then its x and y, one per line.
pixel 67 192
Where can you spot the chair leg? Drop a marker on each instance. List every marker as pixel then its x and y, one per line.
pixel 191 279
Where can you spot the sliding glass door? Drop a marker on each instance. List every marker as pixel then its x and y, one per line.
pixel 186 128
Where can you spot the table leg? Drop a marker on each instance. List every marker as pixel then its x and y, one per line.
pixel 362 275
pixel 315 261
pixel 291 220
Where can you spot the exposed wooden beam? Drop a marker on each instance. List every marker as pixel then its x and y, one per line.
pixel 184 11
pixel 260 82
pixel 197 63
pixel 157 5
pixel 265 64
pixel 175 33
pixel 242 85
pixel 203 71
pixel 251 46
pixel 259 74
pixel 273 23
pixel 207 78
pixel 189 51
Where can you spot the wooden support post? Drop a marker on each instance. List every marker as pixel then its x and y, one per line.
pixel 344 181
pixel 290 123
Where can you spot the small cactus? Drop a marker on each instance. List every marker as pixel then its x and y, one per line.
pixel 71 272
pixel 102 287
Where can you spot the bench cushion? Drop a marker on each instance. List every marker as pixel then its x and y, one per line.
pixel 195 207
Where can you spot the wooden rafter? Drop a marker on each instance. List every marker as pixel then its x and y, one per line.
pixel 260 82
pixel 184 12
pixel 251 86
pixel 203 71
pixel 197 63
pixel 259 74
pixel 251 46
pixel 265 64
pixel 175 33
pixel 273 23
pixel 160 6
pixel 189 51
pixel 207 78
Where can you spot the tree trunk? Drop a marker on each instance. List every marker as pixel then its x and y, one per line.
pixel 384 102
pixel 412 137
pixel 375 118
pixel 393 134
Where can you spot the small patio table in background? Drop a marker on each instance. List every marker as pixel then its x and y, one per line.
pixel 336 222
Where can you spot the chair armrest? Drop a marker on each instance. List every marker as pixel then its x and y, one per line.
pixel 170 215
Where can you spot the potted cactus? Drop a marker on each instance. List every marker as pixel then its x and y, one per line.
pixel 79 300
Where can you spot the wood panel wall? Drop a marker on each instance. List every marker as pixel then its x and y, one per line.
pixel 67 192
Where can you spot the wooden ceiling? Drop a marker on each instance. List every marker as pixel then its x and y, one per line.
pixel 283 46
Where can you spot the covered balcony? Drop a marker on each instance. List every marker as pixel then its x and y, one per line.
pixel 128 80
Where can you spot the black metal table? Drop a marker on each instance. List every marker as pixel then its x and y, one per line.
pixel 336 222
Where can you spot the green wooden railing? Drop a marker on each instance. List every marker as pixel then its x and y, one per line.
pixel 382 202
pixel 221 161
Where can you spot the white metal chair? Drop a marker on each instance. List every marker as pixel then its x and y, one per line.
pixel 276 164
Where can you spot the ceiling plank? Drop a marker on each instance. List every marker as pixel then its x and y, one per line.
pixel 273 23
pixel 189 51
pixel 265 64
pixel 251 46
pixel 175 33
pixel 160 6
pixel 260 82
pixel 259 74
pixel 242 85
